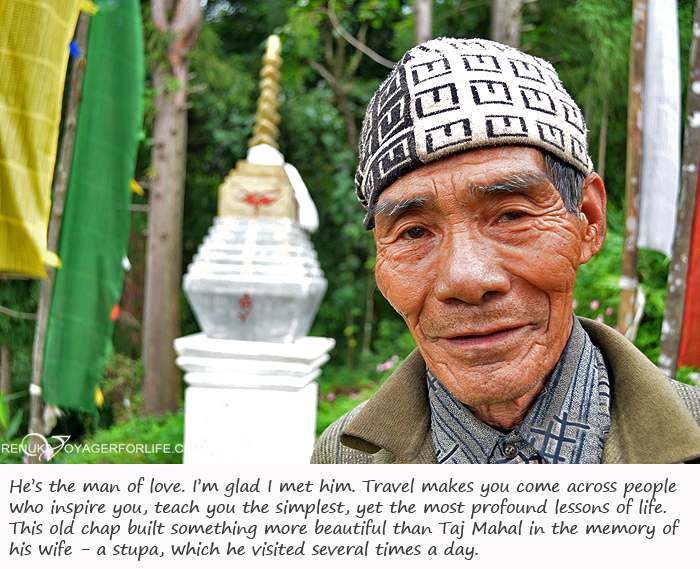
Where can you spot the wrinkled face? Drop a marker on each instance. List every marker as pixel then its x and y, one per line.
pixel 479 255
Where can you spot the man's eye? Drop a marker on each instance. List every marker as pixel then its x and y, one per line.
pixel 414 233
pixel 511 215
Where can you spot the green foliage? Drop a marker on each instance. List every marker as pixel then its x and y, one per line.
pixel 588 43
pixel 22 296
pixel 120 422
pixel 689 375
pixel 17 334
pixel 457 18
pixel 245 25
pixel 121 389
pixel 653 276
pixel 331 409
pixel 145 431
pixel 597 294
pixel 303 26
pixel 9 427
pixel 393 338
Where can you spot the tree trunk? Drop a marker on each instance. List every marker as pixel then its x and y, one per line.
pixel 506 21
pixel 161 383
pixel 424 20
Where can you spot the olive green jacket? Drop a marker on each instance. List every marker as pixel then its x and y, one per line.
pixel 653 419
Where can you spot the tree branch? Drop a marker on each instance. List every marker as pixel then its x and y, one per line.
pixel 24 315
pixel 357 56
pixel 187 23
pixel 354 42
pixel 340 94
pixel 159 15
pixel 322 71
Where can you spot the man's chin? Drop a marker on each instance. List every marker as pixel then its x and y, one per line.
pixel 499 379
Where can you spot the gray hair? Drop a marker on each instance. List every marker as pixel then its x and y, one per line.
pixel 567 180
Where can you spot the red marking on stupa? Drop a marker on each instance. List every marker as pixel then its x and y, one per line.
pixel 261 199
pixel 246 304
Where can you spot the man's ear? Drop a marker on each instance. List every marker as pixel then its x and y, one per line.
pixel 593 218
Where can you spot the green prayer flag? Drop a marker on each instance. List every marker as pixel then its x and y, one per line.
pixel 95 227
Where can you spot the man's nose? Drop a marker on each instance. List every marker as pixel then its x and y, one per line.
pixel 469 270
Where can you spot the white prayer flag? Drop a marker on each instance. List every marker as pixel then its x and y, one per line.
pixel 662 128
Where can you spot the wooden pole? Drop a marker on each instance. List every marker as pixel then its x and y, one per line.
pixel 5 370
pixel 678 271
pixel 628 277
pixel 603 140
pixel 36 422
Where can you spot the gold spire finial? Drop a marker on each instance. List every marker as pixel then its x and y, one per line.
pixel 267 118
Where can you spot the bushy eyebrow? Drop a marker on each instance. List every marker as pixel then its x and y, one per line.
pixel 514 184
pixel 391 209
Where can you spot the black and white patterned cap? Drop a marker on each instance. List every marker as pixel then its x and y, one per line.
pixel 449 95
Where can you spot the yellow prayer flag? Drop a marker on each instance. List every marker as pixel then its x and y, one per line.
pixel 34 48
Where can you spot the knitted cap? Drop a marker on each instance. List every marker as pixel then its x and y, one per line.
pixel 449 95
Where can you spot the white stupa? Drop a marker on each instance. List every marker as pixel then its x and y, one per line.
pixel 255 286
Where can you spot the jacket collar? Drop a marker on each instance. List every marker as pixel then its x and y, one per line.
pixel 649 422
pixel 397 417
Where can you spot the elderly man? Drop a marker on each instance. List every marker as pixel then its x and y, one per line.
pixel 475 174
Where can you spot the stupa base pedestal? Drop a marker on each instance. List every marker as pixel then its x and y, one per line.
pixel 250 402
pixel 249 426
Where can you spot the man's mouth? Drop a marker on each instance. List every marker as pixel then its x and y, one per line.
pixel 483 334
pixel 483 337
